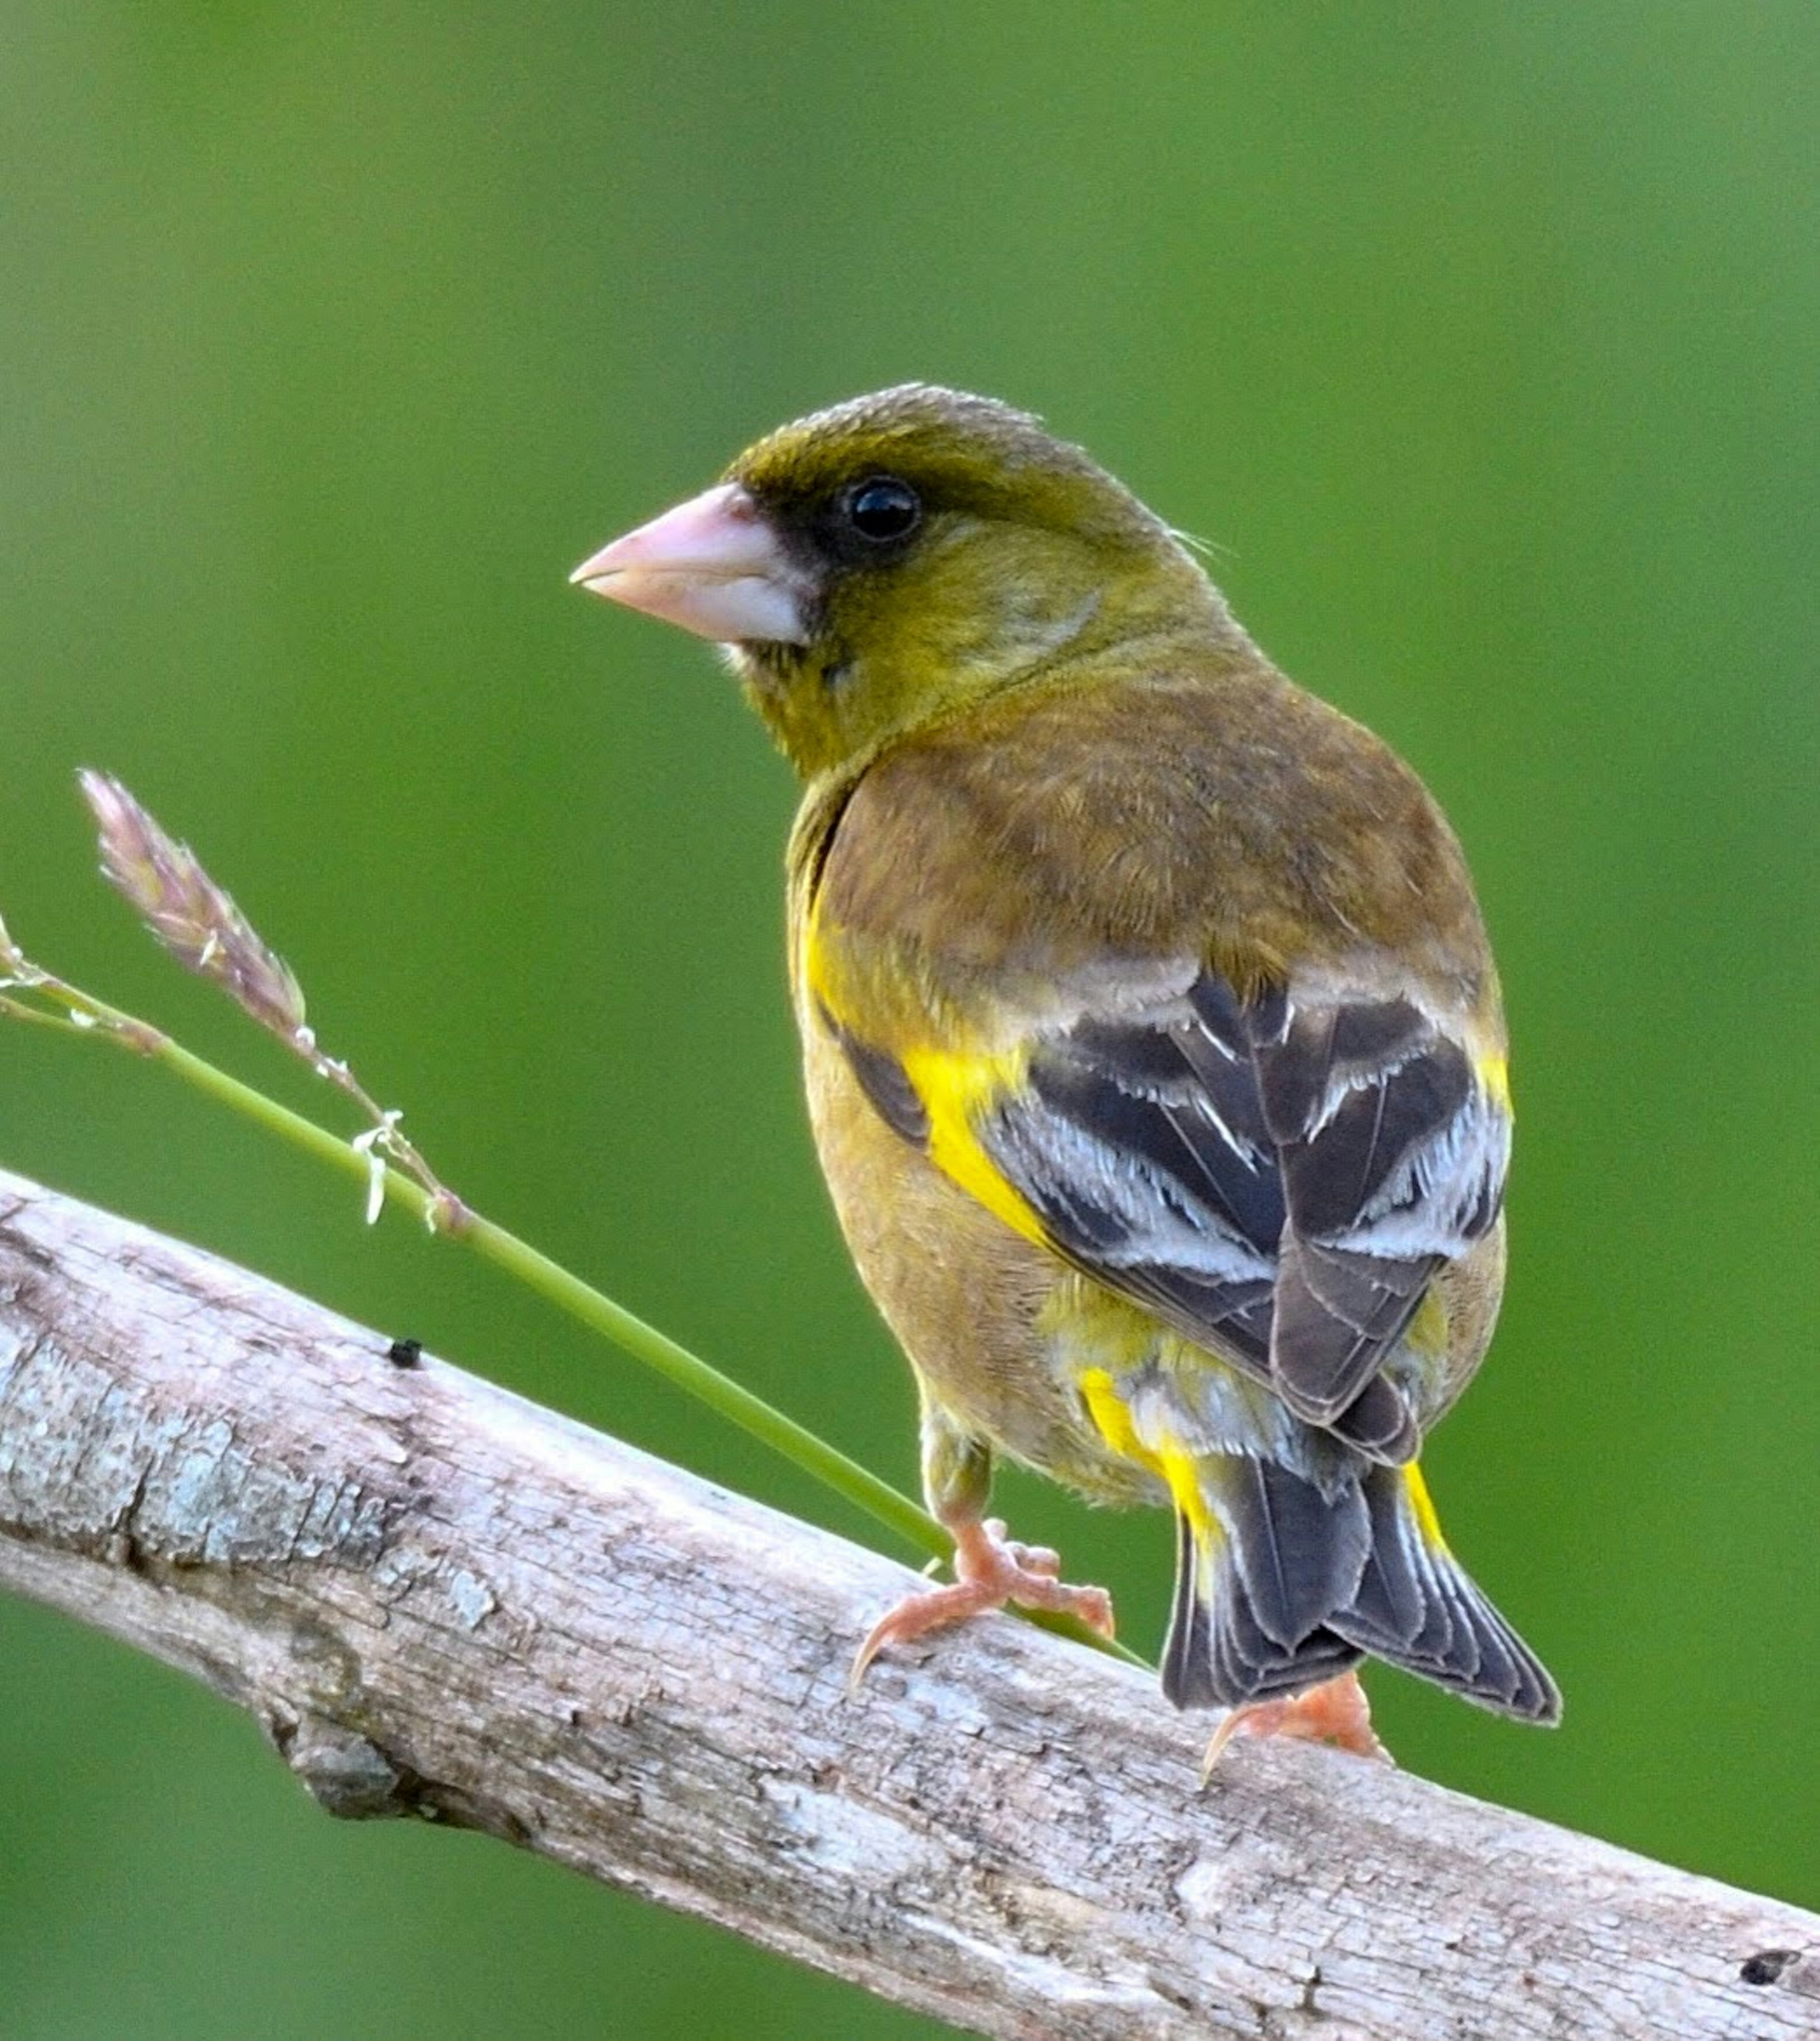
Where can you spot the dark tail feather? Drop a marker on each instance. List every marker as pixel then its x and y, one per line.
pixel 1256 1583
pixel 1283 1586
pixel 1417 1606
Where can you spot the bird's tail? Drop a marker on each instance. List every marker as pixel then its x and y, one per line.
pixel 1281 1584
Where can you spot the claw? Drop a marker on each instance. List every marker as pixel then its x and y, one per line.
pixel 991 1569
pixel 1335 1712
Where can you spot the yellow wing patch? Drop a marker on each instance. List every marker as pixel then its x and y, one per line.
pixel 955 1089
pixel 954 1086
pixel 1495 1078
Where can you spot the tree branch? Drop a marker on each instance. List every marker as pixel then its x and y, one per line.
pixel 439 1600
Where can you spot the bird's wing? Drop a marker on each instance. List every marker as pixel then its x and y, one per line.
pixel 1277 1178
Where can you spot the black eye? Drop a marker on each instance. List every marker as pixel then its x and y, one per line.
pixel 883 509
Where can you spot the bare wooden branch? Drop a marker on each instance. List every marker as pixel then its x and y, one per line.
pixel 439 1600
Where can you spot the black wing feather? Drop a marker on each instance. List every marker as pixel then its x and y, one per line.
pixel 1280 1184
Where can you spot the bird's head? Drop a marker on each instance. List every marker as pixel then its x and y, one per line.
pixel 877 566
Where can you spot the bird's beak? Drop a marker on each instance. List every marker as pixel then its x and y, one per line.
pixel 713 565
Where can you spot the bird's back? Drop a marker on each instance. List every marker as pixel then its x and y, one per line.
pixel 1139 813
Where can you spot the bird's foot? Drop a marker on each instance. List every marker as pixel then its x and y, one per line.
pixel 1335 1712
pixel 989 1570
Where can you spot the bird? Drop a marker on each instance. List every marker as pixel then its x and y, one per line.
pixel 1154 1046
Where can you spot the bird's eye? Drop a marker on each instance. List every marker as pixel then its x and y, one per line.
pixel 884 508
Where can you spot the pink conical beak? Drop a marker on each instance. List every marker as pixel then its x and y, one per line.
pixel 713 565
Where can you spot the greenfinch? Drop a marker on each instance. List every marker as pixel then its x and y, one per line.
pixel 1155 1050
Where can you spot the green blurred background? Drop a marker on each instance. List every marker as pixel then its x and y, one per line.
pixel 1477 336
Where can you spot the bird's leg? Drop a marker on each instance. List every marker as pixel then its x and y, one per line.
pixel 1335 1712
pixel 990 1569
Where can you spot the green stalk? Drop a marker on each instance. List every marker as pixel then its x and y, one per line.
pixel 582 1300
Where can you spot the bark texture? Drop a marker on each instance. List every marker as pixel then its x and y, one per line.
pixel 441 1601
